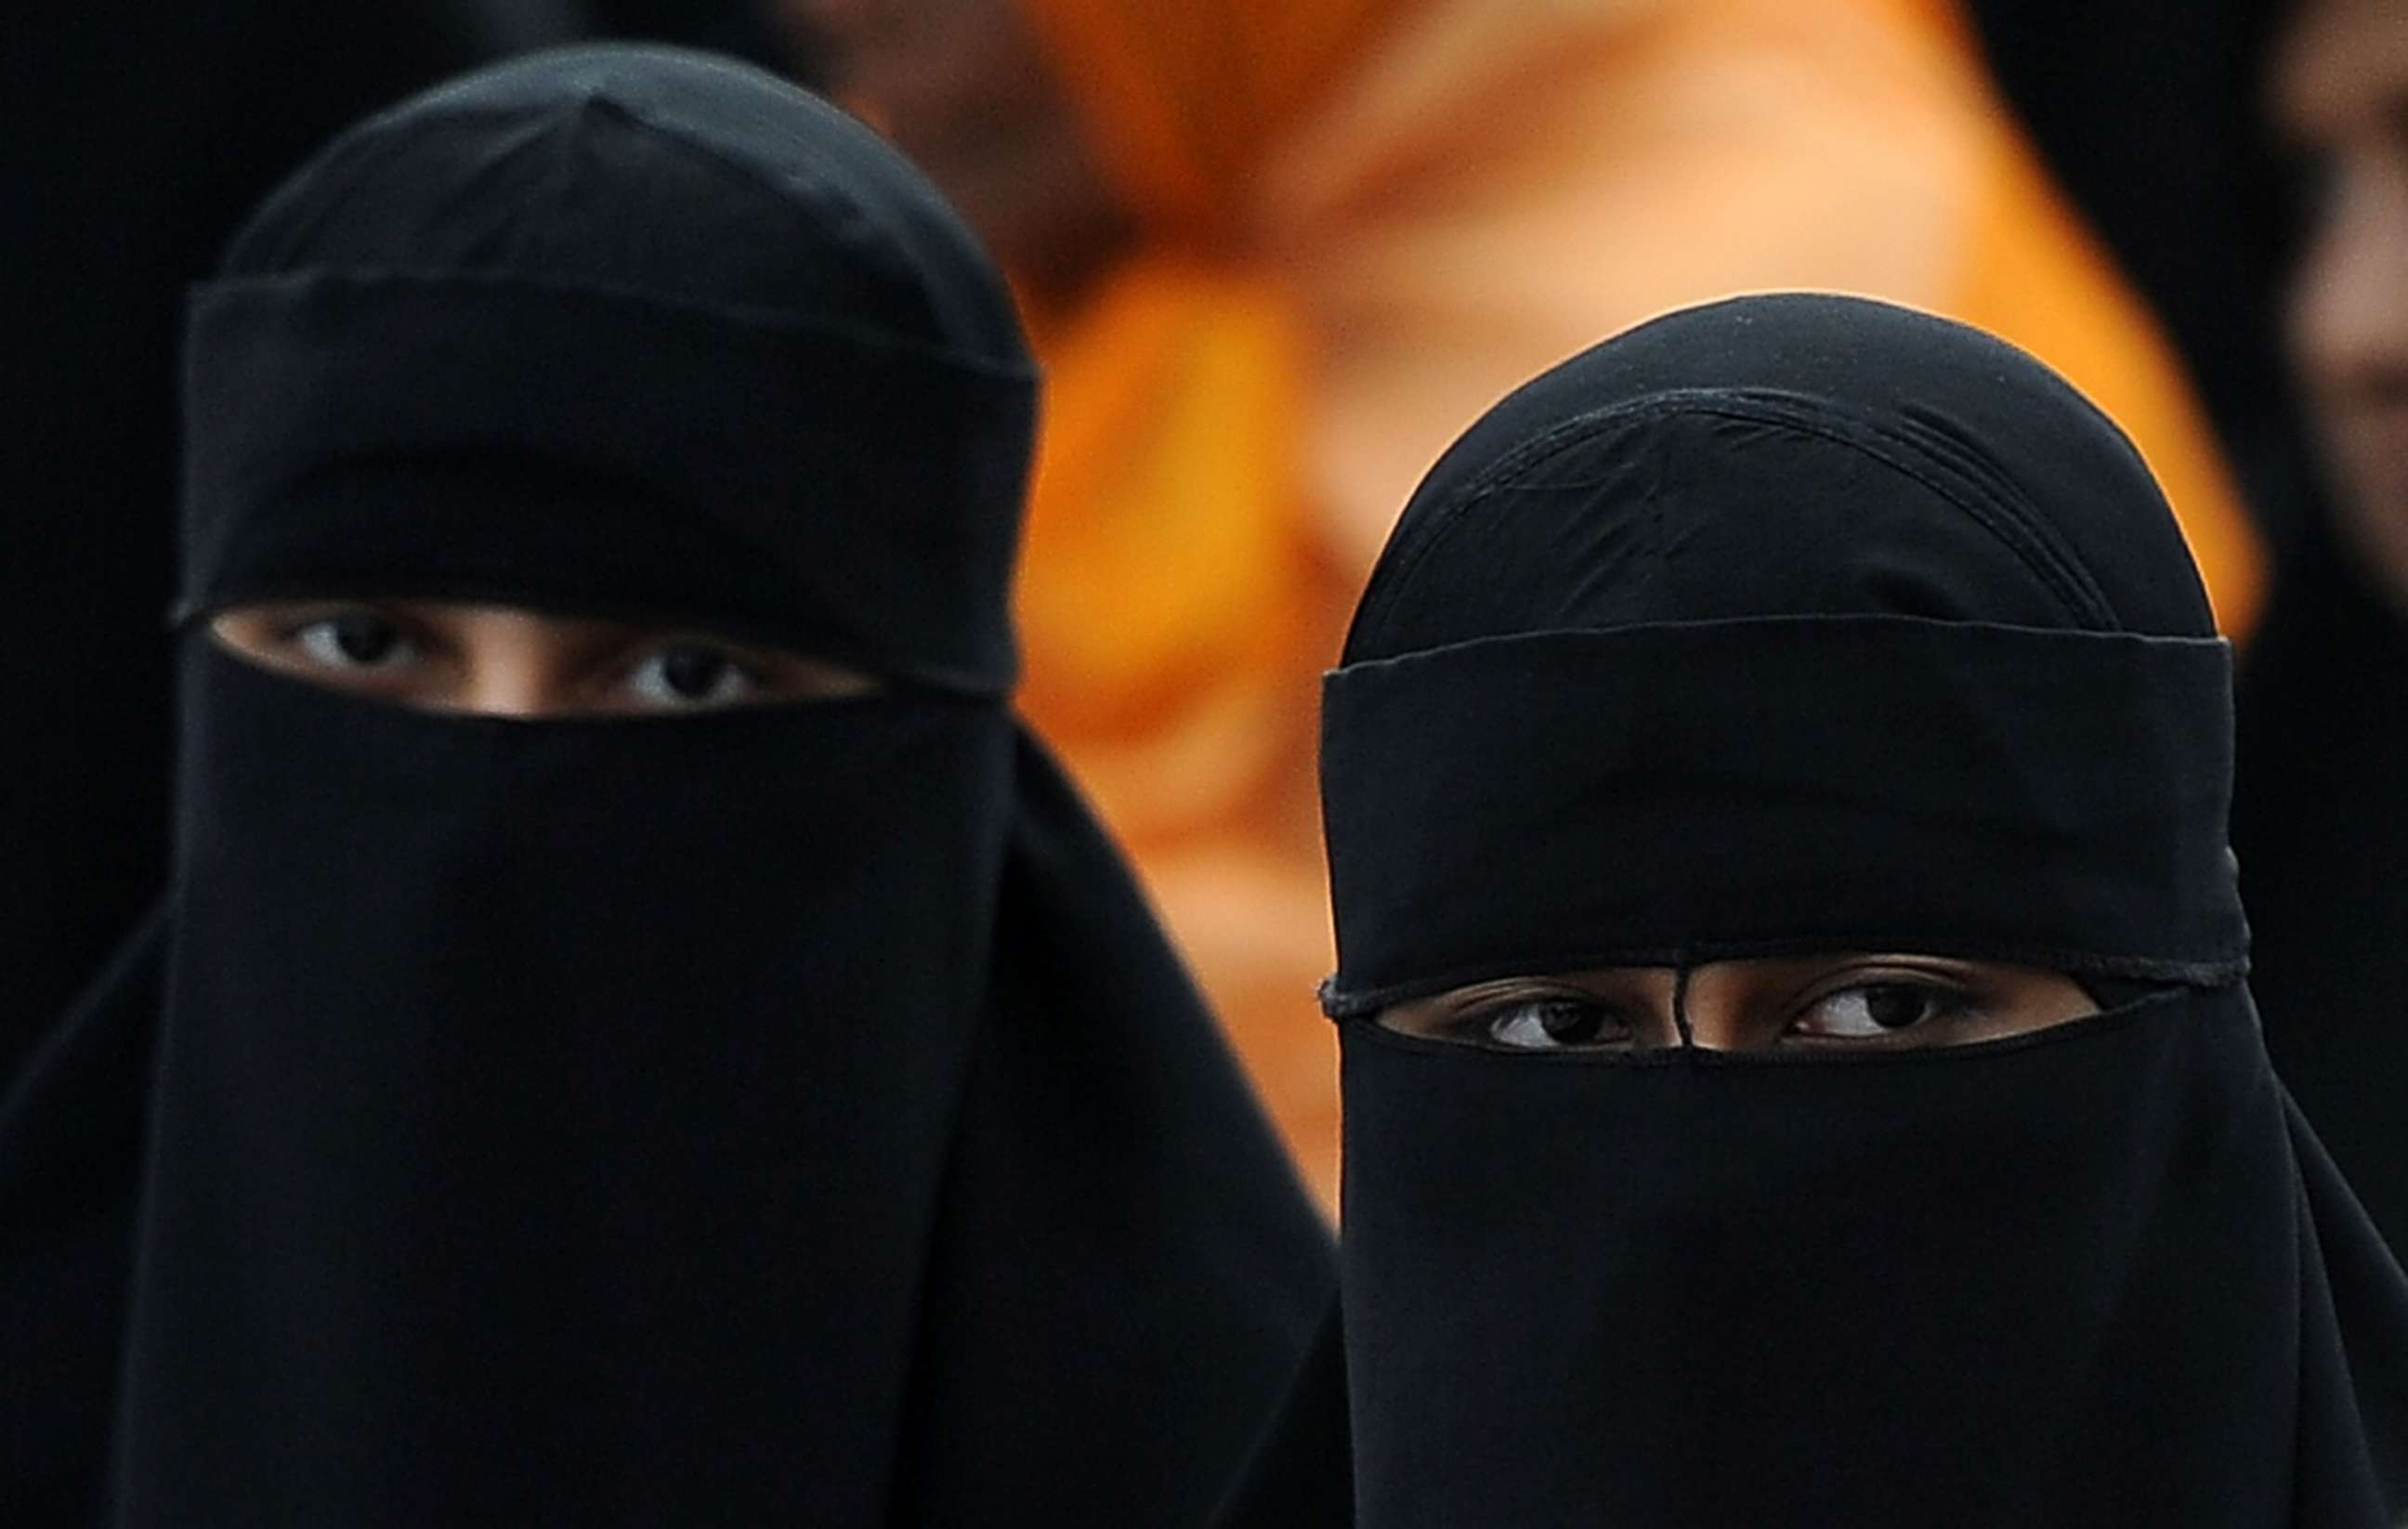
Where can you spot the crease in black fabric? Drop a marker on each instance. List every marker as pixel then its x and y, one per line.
pixel 1683 1028
pixel 1096 1131
pixel 1919 455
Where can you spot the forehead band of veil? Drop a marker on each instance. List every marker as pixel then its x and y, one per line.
pixel 1664 793
pixel 570 446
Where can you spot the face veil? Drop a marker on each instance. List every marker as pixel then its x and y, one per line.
pixel 1798 624
pixel 787 1114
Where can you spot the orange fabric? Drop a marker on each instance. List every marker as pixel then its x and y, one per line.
pixel 1366 219
pixel 1188 97
pixel 1152 625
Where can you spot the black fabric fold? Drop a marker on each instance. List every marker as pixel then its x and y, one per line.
pixel 1299 1473
pixel 1101 1229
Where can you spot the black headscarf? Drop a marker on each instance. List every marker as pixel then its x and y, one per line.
pixel 1805 623
pixel 784 1115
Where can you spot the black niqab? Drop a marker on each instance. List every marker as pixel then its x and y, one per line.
pixel 784 1115
pixel 1805 623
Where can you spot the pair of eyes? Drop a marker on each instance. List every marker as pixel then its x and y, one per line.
pixel 1570 1020
pixel 669 674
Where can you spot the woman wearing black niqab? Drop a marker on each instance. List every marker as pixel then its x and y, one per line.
pixel 1805 634
pixel 783 1114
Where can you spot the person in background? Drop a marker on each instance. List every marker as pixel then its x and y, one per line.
pixel 638 1033
pixel 2320 819
pixel 1276 254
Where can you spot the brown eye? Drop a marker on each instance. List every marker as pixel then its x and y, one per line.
pixel 690 674
pixel 1873 1010
pixel 1551 1024
pixel 353 640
